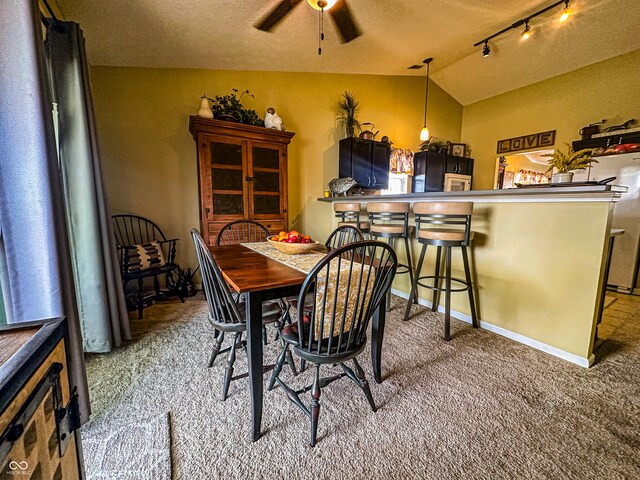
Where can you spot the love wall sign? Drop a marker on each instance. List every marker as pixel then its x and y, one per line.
pixel 527 142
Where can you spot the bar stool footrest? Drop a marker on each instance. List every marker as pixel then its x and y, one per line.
pixel 401 272
pixel 443 278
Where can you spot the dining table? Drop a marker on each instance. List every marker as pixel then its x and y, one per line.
pixel 259 272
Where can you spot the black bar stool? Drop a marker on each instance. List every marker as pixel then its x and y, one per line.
pixel 390 220
pixel 349 214
pixel 456 218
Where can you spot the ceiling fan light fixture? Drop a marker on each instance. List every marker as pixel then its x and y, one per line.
pixel 322 4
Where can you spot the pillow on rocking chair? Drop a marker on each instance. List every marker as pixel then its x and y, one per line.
pixel 144 257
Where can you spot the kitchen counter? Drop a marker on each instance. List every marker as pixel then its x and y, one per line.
pixel 604 193
pixel 538 261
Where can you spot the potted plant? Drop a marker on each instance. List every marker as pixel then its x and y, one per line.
pixel 346 116
pixel 230 108
pixel 566 163
pixel 434 145
pixel 184 281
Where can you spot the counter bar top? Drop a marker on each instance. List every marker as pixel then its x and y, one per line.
pixel 590 193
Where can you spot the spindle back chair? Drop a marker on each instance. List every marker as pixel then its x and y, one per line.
pixel 242 231
pixel 226 313
pixel 348 285
pixel 132 230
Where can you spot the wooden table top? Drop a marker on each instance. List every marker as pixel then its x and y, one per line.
pixel 249 271
pixel 12 340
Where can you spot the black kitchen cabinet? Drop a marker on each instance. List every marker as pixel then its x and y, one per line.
pixel 430 169
pixel 366 161
pixel 459 165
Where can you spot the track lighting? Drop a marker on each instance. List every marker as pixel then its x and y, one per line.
pixel 527 31
pixel 565 13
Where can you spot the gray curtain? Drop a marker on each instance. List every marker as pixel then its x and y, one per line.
pixel 101 305
pixel 38 282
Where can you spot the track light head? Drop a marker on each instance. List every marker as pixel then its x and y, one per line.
pixel 526 33
pixel 565 13
pixel 486 50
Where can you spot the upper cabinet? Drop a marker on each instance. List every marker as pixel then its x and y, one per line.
pixel 430 169
pixel 366 161
pixel 242 174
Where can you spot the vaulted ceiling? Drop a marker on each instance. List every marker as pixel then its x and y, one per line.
pixel 219 34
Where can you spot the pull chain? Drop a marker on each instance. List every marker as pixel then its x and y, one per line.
pixel 321 28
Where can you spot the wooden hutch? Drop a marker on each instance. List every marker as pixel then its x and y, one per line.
pixel 242 174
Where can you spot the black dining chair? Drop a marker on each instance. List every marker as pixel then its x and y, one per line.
pixel 133 235
pixel 242 231
pixel 348 284
pixel 249 231
pixel 343 235
pixel 226 314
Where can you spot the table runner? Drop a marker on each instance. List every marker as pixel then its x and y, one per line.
pixel 358 276
pixel 303 262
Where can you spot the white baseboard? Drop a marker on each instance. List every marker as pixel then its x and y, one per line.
pixel 556 352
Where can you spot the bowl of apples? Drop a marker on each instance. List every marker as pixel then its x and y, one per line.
pixel 292 242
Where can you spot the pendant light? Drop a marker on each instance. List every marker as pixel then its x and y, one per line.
pixel 424 134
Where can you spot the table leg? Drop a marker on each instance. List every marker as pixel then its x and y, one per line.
pixel 253 305
pixel 377 335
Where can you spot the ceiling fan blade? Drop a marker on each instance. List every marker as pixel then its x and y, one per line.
pixel 343 19
pixel 277 14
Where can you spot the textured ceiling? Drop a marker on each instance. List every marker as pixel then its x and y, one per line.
pixel 218 34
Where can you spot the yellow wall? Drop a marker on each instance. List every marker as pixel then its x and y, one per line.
pixel 565 103
pixel 149 157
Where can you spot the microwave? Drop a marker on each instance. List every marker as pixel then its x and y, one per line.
pixel 454 182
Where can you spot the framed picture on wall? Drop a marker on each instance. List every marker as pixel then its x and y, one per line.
pixel 457 149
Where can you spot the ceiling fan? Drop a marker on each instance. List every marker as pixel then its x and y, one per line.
pixel 338 10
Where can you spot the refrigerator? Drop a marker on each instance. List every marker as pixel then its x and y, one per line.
pixel 626 215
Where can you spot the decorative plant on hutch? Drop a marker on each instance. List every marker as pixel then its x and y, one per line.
pixel 346 116
pixel 566 163
pixel 229 107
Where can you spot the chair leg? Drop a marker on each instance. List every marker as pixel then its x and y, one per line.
pixel 265 340
pixel 303 365
pixel 412 274
pixel 364 384
pixel 472 303
pixel 292 363
pixel 278 366
pixel 447 295
pixel 217 343
pixel 156 285
pixel 391 242
pixel 414 285
pixel 315 406
pixel 140 304
pixel 228 370
pixel 436 282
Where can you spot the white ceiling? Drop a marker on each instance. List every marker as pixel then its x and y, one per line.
pixel 218 34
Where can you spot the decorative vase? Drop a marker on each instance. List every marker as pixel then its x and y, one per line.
pixel 205 109
pixel 562 177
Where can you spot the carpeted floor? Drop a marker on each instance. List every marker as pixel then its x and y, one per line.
pixel 480 406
